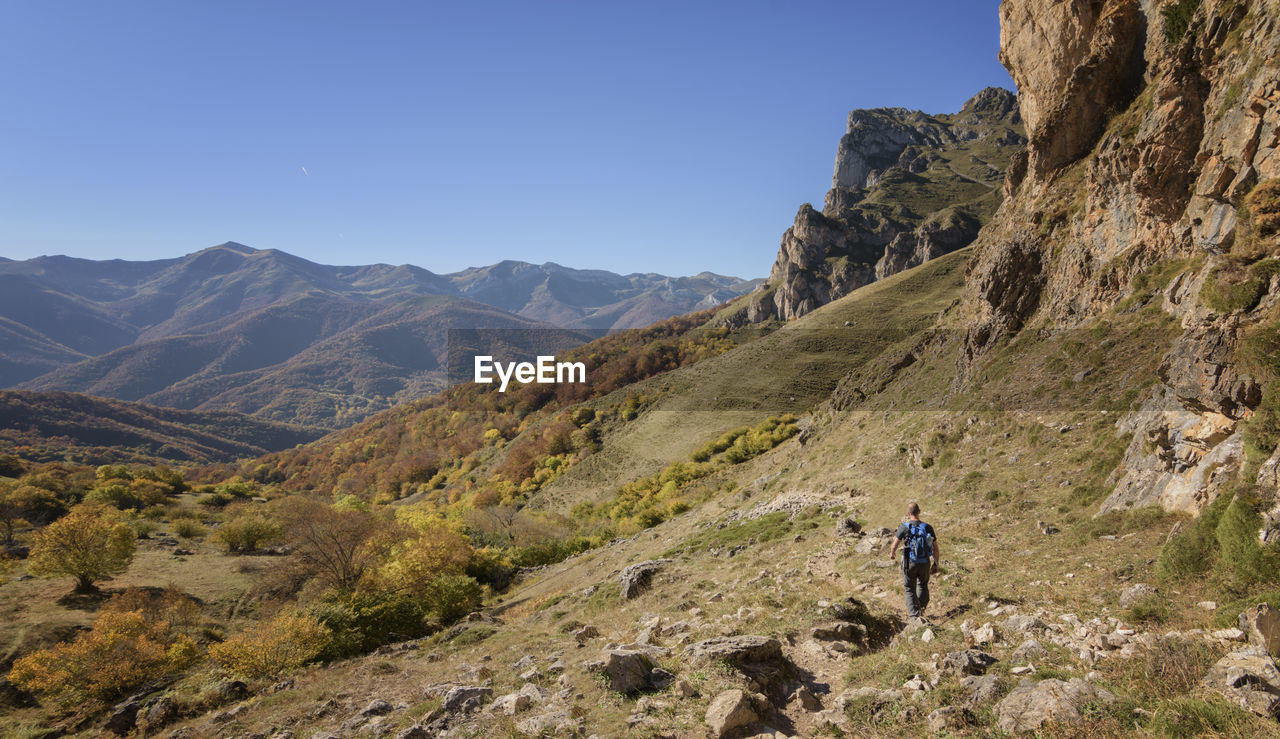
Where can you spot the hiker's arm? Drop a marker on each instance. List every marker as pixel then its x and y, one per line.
pixel 937 555
pixel 894 550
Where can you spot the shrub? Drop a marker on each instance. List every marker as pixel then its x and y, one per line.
pixel 1262 429
pixel 247 531
pixel 135 640
pixel 1177 19
pixel 1264 207
pixel 362 622
pixel 415 563
pixel 144 528
pixel 451 597
pixel 1227 292
pixel 1237 536
pixel 84 545
pixel 490 567
pixel 188 528
pixel 1191 552
pixel 270 648
pixel 1151 609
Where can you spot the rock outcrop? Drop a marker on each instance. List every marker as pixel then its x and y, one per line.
pixel 907 187
pixel 1031 704
pixel 1145 140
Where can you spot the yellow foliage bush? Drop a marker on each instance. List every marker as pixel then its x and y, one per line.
pixel 84 544
pixel 270 648
pixel 123 650
pixel 415 563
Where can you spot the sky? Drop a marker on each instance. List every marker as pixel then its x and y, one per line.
pixel 652 136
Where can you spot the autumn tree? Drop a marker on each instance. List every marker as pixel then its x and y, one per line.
pixel 20 503
pixel 83 544
pixel 337 542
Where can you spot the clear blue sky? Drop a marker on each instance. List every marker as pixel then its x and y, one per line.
pixel 648 135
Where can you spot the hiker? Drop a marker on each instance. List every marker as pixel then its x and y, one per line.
pixel 921 545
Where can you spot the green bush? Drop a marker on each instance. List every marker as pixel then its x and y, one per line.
pixel 362 622
pixel 1237 535
pixel 248 531
pixel 550 551
pixel 1177 19
pixel 1262 429
pixel 451 597
pixel 1192 551
pixel 491 567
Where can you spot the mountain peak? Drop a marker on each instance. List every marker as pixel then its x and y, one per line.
pixel 234 246
pixel 995 100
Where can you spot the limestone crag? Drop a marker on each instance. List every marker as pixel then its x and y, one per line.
pixel 907 187
pixel 1144 140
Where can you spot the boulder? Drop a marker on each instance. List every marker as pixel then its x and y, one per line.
pixel 123 717
pixel 161 711
pixel 738 650
pixel 627 670
pixel 226 692
pixel 1261 624
pixel 376 707
pixel 465 698
pixel 848 526
pixel 416 731
pixel 1031 704
pixel 1134 593
pixel 556 721
pixel 967 662
pixel 730 710
pixel 636 578
pixel 982 688
pixel 948 719
pixel 1248 677
pixel 1028 650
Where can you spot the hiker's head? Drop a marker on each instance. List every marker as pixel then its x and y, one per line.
pixel 913 509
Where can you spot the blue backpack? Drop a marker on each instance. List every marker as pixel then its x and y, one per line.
pixel 919 543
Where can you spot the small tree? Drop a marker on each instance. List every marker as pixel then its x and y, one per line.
pixel 21 504
pixel 336 542
pixel 84 545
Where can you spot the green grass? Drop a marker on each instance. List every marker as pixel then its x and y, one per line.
pixel 766 528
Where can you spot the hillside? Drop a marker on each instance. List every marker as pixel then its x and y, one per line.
pixel 907 187
pixel 269 334
pixel 44 427
pixel 696 543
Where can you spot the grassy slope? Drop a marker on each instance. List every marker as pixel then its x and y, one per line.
pixel 789 370
pixel 996 471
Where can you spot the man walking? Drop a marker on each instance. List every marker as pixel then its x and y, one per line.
pixel 921 545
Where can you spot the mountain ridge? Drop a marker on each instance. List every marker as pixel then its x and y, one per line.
pixel 109 327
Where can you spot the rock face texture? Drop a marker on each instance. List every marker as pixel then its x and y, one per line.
pixel 1145 142
pixel 907 187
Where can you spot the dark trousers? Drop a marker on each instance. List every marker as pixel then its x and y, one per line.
pixel 915 578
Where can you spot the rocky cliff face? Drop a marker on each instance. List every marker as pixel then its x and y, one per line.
pixel 907 187
pixel 1149 126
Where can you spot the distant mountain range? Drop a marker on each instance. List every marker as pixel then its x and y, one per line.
pixel 268 333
